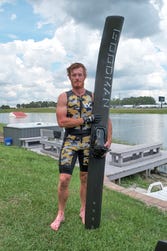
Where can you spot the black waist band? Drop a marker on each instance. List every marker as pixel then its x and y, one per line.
pixel 76 132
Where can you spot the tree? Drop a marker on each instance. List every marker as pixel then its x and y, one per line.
pixel 18 106
pixel 5 107
pixel 141 100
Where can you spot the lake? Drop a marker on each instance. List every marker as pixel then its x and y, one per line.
pixel 130 128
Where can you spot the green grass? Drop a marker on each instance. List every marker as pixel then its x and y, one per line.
pixel 28 203
pixel 139 110
pixel 112 110
pixel 138 179
pixel 29 110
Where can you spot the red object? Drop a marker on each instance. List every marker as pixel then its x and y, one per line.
pixel 18 114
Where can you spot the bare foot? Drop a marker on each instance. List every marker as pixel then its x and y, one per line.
pixel 82 215
pixel 55 225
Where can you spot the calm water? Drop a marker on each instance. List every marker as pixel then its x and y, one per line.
pixel 140 128
pixel 131 128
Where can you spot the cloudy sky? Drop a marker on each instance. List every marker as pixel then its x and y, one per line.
pixel 39 39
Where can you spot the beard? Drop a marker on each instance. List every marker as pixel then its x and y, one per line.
pixel 78 85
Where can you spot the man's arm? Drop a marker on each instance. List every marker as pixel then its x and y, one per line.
pixel 61 113
pixel 109 134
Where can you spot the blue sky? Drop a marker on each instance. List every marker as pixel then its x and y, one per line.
pixel 19 22
pixel 40 39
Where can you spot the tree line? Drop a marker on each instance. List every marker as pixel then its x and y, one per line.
pixel 32 104
pixel 141 100
pixel 135 101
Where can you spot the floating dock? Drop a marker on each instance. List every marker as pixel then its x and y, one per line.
pixel 114 172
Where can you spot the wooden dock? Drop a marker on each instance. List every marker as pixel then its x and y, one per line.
pixel 114 172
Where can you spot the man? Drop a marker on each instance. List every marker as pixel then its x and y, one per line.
pixel 74 113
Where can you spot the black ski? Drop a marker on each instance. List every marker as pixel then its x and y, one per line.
pixel 102 96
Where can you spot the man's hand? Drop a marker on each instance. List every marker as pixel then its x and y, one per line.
pixel 92 119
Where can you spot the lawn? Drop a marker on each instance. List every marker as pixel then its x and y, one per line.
pixel 28 204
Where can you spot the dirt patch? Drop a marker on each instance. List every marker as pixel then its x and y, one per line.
pixel 1 137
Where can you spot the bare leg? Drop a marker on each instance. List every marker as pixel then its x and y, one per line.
pixel 83 187
pixel 63 193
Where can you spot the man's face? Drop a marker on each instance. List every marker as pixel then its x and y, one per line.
pixel 77 78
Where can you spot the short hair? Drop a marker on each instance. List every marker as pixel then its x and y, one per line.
pixel 74 66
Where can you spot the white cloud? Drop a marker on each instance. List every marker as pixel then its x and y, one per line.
pixel 51 12
pixel 28 64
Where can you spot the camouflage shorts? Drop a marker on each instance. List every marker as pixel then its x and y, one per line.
pixel 74 147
